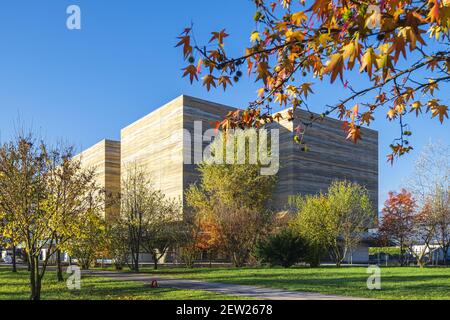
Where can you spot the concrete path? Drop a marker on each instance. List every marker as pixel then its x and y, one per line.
pixel 223 288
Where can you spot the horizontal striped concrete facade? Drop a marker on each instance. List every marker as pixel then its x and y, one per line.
pixel 104 159
pixel 331 157
pixel 162 144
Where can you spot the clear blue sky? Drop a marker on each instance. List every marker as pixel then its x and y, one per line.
pixel 84 86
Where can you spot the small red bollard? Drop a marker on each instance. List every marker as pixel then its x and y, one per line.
pixel 154 284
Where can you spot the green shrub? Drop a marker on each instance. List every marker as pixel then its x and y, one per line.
pixel 384 250
pixel 283 249
pixel 314 254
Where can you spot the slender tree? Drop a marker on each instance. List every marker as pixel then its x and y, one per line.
pixel 145 211
pixel 162 230
pixel 430 184
pixel 23 170
pixel 40 210
pixel 440 208
pixel 423 232
pixel 352 215
pixel 338 220
pixel 70 189
pixel 397 224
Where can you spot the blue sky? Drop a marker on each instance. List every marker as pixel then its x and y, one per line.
pixel 82 86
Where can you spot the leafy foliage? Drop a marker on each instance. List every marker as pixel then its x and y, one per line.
pixel 398 220
pixel 233 218
pixel 44 199
pixel 284 249
pixel 146 213
pixel 335 221
pixel 297 41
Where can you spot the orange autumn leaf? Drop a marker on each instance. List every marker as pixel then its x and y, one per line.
pixel 440 111
pixel 335 66
pixel 224 81
pixel 190 70
pixel 185 41
pixel 209 81
pixel 219 36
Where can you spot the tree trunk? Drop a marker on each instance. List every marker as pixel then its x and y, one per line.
pixel 155 261
pixel 59 272
pixel 238 260
pixel 14 265
pixel 35 279
pixel 210 259
pixel 421 263
pixel 402 254
pixel 445 255
pixel 135 261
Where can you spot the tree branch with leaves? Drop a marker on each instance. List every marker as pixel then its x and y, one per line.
pixel 402 49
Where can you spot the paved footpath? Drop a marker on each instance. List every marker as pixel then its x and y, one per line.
pixel 223 288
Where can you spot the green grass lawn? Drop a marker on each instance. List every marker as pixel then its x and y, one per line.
pixel 396 282
pixel 15 287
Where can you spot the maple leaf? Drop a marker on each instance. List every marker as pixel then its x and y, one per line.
pixel 351 51
pixel 305 88
pixel 433 14
pixel 432 64
pixel 398 46
pixel 432 85
pixel 219 36
pixel 208 81
pixel 262 71
pixel 366 117
pixel 417 107
pixel 281 98
pixel 335 66
pixel 254 37
pixel 441 111
pixel 411 36
pixel 324 38
pixel 409 94
pixel 298 17
pixel 381 98
pixel 354 133
pixel 392 114
pixel 223 81
pixel 190 70
pixel 369 59
pixel 185 41
pixel 278 116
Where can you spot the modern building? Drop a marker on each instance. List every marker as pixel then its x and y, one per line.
pixel 162 143
pixel 165 145
pixel 104 159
